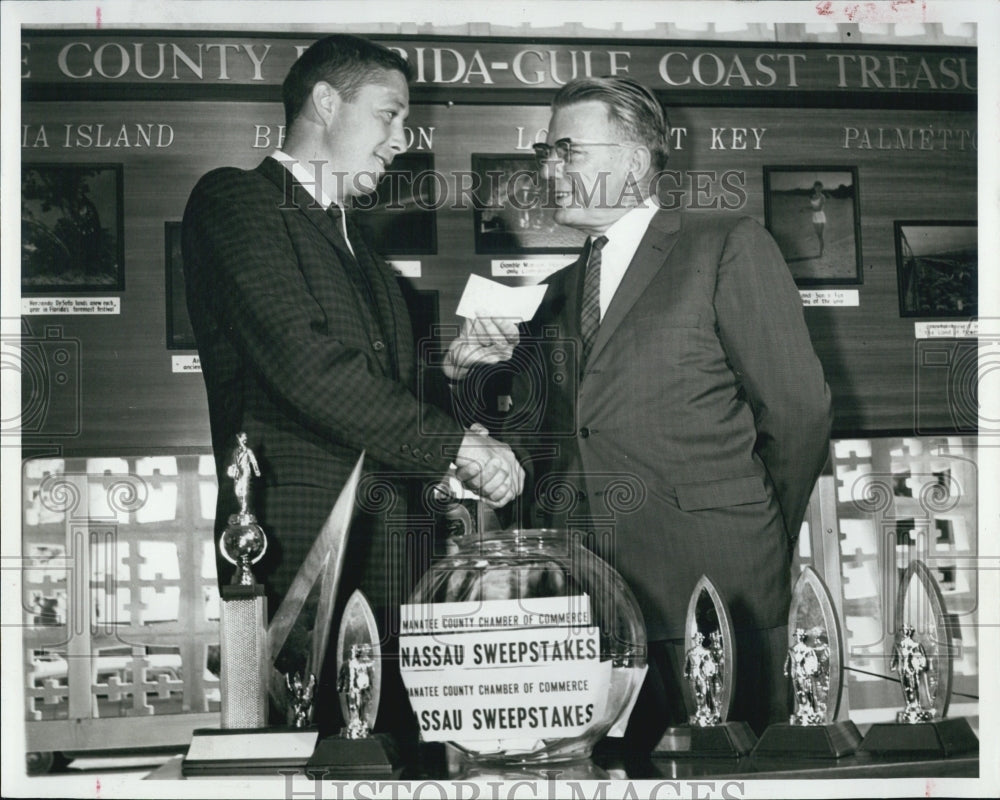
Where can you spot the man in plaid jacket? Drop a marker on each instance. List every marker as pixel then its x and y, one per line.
pixel 305 339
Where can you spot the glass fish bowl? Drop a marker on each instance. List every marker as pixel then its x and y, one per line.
pixel 521 647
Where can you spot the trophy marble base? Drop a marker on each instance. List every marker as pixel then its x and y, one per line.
pixel 940 738
pixel 375 755
pixel 247 751
pixel 713 741
pixel 832 740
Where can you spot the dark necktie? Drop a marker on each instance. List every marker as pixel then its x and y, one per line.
pixel 334 212
pixel 590 312
pixel 356 269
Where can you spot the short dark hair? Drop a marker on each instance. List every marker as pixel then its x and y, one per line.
pixel 345 62
pixel 631 106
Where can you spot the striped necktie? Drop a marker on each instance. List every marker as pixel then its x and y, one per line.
pixel 590 312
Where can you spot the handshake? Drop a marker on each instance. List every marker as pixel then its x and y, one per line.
pixel 485 466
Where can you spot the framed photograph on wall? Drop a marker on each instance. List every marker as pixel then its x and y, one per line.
pixel 511 215
pixel 180 334
pixel 400 217
pixel 72 223
pixel 813 214
pixel 937 267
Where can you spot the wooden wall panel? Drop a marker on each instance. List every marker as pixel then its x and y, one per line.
pixel 132 401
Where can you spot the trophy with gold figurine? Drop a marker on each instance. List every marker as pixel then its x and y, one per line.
pixel 808 665
pixel 814 665
pixel 243 611
pixel 354 682
pixel 356 750
pixel 909 659
pixel 922 656
pixel 710 670
pixel 300 699
pixel 244 743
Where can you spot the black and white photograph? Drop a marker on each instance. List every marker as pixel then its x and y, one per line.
pixel 180 334
pixel 937 265
pixel 514 213
pixel 400 217
pixel 71 228
pixel 495 400
pixel 812 213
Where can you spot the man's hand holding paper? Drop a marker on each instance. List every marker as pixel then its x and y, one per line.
pixel 489 333
pixel 482 340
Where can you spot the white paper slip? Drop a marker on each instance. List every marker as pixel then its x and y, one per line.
pixel 497 300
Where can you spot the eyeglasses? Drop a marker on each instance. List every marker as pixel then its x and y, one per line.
pixel 564 150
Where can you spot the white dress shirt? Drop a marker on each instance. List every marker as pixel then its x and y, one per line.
pixel 624 236
pixel 309 183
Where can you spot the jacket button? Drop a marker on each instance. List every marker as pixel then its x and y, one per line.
pixel 584 432
pixel 378 345
pixel 416 452
pixel 428 457
pixel 405 448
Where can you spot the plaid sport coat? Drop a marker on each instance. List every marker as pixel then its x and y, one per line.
pixel 310 351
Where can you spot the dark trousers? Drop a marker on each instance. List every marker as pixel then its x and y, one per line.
pixel 761 696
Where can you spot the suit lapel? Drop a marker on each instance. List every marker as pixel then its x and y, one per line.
pixel 649 259
pixel 381 283
pixel 361 269
pixel 297 196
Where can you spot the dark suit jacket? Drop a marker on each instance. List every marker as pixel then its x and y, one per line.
pixel 309 350
pixel 695 433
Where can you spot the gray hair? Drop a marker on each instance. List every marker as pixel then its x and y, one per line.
pixel 631 106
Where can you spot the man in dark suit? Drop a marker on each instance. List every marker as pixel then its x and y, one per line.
pixel 305 339
pixel 695 419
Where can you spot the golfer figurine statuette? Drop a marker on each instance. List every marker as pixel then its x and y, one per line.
pixel 355 684
pixel 910 660
pixel 703 674
pixel 243 543
pixel 808 665
pixel 300 698
pixel 243 617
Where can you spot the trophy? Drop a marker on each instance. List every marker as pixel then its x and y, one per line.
pixel 710 672
pixel 300 699
pixel 814 663
pixel 243 617
pixel 359 679
pixel 359 667
pixel 354 683
pixel 922 656
pixel 245 744
pixel 909 659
